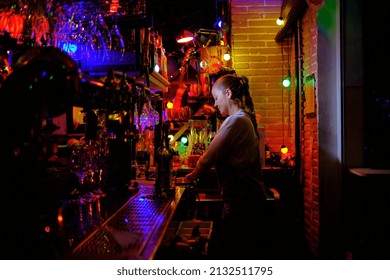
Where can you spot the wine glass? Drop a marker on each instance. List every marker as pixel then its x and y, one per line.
pixel 87 166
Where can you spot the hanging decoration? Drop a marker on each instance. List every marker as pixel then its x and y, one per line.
pixel 40 22
pixel 12 22
pixel 309 102
pixel 212 64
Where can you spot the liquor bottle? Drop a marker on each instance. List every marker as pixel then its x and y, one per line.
pixel 163 163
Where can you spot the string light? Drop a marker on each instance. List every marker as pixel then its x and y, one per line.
pixel 286 84
pixel 184 140
pixel 287 81
pixel 227 56
pixel 280 21
pixel 156 68
pixel 219 24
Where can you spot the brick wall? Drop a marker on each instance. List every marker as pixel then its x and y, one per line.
pixel 260 58
pixel 309 143
pixel 256 55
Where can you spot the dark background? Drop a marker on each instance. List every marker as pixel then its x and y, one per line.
pixel 376 46
pixel 173 16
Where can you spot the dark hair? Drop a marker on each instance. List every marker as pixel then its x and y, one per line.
pixel 239 87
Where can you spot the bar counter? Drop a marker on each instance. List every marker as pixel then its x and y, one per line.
pixel 126 224
pixel 129 222
pixel 134 231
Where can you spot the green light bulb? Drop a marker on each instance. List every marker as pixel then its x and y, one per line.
pixel 286 81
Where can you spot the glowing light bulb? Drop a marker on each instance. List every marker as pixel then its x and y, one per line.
pixel 280 21
pixel 184 140
pixel 286 82
pixel 169 105
pixel 185 37
pixel 284 149
pixel 226 56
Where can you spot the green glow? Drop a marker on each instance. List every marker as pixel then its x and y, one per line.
pixel 286 81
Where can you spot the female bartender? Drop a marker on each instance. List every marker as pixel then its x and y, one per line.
pixel 234 151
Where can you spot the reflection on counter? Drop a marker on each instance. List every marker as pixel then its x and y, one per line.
pixel 135 230
pixel 77 220
pixel 114 226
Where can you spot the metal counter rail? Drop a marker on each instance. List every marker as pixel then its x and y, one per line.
pixel 135 231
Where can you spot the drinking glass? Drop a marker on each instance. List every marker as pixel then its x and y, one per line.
pixel 86 165
pixel 142 157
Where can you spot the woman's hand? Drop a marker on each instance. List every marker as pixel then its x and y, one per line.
pixel 191 177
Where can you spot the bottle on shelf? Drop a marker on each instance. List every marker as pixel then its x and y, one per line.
pixel 149 143
pixel 163 163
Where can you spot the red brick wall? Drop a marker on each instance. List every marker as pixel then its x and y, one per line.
pixel 260 58
pixel 310 133
pixel 257 56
